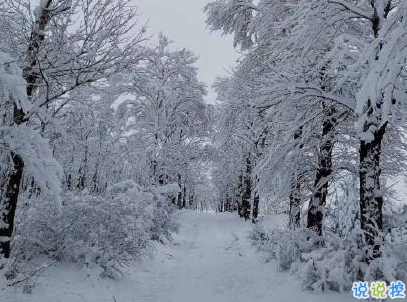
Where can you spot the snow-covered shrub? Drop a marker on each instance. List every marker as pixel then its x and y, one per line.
pixel 107 231
pixel 395 256
pixel 282 245
pixel 337 261
pixel 318 268
pixel 335 264
pixel 157 208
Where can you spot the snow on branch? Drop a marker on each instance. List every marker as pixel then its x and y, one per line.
pixel 352 8
pixel 232 17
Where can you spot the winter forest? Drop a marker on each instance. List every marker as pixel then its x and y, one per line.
pixel 121 180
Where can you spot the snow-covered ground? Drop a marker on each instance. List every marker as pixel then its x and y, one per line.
pixel 210 260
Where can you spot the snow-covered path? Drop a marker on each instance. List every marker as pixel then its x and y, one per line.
pixel 210 260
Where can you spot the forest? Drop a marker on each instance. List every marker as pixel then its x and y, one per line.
pixel 120 181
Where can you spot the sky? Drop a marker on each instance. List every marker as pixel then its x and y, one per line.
pixel 183 21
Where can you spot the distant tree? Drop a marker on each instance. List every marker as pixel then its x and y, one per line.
pixel 166 116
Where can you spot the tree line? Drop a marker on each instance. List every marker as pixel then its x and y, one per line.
pixel 96 116
pixel 314 110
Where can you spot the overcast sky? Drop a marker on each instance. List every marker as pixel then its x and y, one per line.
pixel 183 21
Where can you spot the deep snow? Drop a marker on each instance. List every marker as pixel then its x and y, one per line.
pixel 210 260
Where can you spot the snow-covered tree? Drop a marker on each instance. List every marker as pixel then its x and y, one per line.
pixel 165 116
pixel 57 57
pixel 21 147
pixel 316 68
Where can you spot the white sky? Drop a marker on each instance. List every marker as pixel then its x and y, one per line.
pixel 183 21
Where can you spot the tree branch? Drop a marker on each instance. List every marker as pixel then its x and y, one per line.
pixel 353 8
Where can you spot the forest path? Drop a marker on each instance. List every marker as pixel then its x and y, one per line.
pixel 210 260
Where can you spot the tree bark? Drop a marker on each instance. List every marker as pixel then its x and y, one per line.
pixel 9 205
pixel 256 200
pixel 295 195
pixel 239 197
pixel 324 170
pixel 12 189
pixel 371 198
pixel 179 197
pixel 255 211
pixel 295 203
pixel 184 196
pixel 247 191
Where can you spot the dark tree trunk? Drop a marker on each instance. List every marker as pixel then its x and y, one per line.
pixel 11 193
pixel 95 181
pixel 69 181
pixel 82 180
pixel 371 198
pixel 12 189
pixel 255 212
pixel 247 190
pixel 184 196
pixel 295 203
pixel 80 185
pixel 9 205
pixel 179 198
pixel 239 197
pixel 295 195
pixel 324 170
pixel 256 200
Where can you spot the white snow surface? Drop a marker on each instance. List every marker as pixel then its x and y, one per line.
pixel 210 260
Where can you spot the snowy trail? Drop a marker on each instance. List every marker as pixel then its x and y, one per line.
pixel 210 260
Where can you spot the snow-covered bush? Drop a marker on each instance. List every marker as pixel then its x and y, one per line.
pixel 337 259
pixel 285 246
pixel 282 245
pixel 107 231
pixel 335 264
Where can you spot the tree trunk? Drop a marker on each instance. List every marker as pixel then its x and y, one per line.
pixel 247 190
pixel 295 203
pixel 179 197
pixel 82 180
pixel 9 204
pixel 239 197
pixel 12 189
pixel 11 193
pixel 69 181
pixel 371 198
pixel 295 195
pixel 256 200
pixel 184 196
pixel 324 170
pixel 255 211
